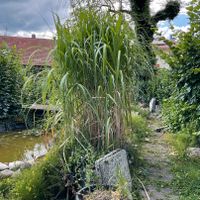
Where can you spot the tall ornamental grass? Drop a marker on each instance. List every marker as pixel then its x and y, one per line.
pixel 94 80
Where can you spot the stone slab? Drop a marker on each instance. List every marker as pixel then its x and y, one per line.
pixel 108 167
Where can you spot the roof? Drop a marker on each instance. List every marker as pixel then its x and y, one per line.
pixel 36 50
pixel 31 50
pixel 161 45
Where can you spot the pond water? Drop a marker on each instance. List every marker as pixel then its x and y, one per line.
pixel 20 146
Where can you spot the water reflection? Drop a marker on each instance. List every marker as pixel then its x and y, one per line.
pixel 18 146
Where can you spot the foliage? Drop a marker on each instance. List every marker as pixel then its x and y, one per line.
pixel 11 81
pixel 181 141
pixel 182 110
pixel 186 180
pixel 139 11
pixel 160 85
pixel 5 187
pixel 58 176
pixel 145 26
pixel 32 88
pixel 139 126
pixel 34 183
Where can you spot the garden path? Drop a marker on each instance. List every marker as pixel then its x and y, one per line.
pixel 157 165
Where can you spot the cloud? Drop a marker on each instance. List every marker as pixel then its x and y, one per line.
pixel 167 32
pixel 24 17
pixel 21 16
pixel 180 23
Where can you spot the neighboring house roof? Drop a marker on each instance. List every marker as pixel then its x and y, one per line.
pixel 31 50
pixel 161 45
pixel 36 50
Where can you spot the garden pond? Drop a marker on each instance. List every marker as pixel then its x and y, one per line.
pixel 20 146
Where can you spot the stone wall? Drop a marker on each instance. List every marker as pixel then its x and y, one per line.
pixel 11 125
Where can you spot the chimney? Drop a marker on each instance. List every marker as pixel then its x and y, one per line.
pixel 33 36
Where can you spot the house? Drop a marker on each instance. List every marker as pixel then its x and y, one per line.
pixel 34 51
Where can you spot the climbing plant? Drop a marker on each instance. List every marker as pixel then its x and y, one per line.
pixel 11 81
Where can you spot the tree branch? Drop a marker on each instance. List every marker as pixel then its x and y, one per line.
pixel 169 12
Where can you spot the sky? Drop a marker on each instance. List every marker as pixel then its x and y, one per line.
pixel 25 17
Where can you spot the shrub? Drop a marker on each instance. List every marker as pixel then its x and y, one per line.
pixel 11 81
pixel 33 183
pixel 182 110
pixel 161 85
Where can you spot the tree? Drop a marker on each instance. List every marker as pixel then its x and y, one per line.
pixel 145 24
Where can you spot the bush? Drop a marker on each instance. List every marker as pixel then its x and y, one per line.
pixel 161 85
pixel 34 183
pixel 11 81
pixel 182 110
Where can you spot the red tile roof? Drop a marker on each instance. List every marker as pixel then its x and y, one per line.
pixel 161 45
pixel 33 50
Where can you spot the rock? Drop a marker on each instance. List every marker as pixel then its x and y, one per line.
pixel 193 152
pixel 39 151
pixel 6 173
pixel 146 139
pixel 16 173
pixel 108 167
pixel 25 165
pixel 31 162
pixel 3 166
pixel 16 165
pixel 29 155
pixel 152 105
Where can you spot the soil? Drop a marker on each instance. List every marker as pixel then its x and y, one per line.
pixel 157 168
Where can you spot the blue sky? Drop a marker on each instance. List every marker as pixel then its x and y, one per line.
pixel 181 20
